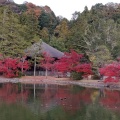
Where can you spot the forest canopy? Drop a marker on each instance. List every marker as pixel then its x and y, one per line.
pixel 94 32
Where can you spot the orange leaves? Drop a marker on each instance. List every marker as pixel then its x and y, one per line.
pixel 33 8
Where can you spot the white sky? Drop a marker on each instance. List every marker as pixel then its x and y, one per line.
pixel 66 8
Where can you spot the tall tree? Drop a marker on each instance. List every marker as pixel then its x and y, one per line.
pixel 49 21
pixel 13 35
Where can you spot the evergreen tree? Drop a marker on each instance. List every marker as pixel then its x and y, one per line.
pixel 14 35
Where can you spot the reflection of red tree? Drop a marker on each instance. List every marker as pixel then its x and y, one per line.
pixel 9 93
pixel 86 95
pixel 68 100
pixel 111 100
pixel 72 102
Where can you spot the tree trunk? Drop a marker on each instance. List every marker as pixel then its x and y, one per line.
pixel 35 66
pixel 46 72
pixel 23 60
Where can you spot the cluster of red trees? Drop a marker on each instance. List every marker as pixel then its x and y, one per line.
pixel 70 62
pixel 12 67
pixel 111 71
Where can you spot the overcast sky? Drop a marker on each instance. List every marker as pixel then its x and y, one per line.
pixel 66 8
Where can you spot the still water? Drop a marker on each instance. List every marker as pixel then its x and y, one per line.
pixel 57 102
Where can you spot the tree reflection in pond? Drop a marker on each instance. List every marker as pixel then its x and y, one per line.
pixel 111 100
pixel 56 102
pixel 10 93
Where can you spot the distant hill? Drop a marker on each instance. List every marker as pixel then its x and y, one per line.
pixel 22 25
pixel 28 7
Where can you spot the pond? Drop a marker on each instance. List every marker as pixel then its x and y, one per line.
pixel 57 102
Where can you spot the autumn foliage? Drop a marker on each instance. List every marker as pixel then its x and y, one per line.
pixel 111 71
pixel 47 61
pixel 11 67
pixel 31 8
pixel 72 62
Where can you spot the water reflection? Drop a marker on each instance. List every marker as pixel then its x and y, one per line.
pixel 63 102
pixel 111 100
pixel 11 93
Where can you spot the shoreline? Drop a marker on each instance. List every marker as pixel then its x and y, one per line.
pixel 61 81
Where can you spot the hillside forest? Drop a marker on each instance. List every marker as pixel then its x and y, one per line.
pixel 94 32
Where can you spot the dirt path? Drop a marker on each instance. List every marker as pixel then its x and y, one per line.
pixel 66 81
pixel 61 81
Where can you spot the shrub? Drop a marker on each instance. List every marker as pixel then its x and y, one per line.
pixel 76 76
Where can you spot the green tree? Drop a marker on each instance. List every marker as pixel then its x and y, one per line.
pixel 49 21
pixel 13 35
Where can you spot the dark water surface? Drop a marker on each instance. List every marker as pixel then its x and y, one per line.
pixel 57 102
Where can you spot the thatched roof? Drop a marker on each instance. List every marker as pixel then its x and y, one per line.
pixel 42 47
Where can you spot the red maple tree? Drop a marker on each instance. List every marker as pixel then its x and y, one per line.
pixel 46 62
pixel 73 62
pixel 11 67
pixel 111 71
